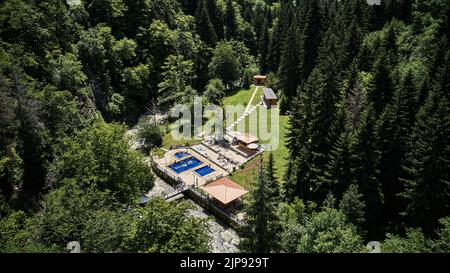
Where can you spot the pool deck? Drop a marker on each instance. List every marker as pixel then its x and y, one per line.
pixel 189 177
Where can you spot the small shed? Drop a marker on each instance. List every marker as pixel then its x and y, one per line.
pixel 260 79
pixel 269 97
pixel 225 192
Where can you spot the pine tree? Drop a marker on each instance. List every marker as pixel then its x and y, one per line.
pixel 337 175
pixel 382 93
pixel 262 226
pixel 264 48
pixel 329 202
pixel 272 180
pixel 365 160
pixel 308 138
pixel 410 94
pixel 356 98
pixel 393 129
pixel 204 26
pixel 324 113
pixel 299 143
pixel 274 50
pixel 290 177
pixel 310 38
pixel 441 80
pixel 289 69
pixel 216 18
pixel 350 44
pixel 353 205
pixel 175 86
pixel 230 21
pixel 427 166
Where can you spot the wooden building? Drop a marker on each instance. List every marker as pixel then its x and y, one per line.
pixel 246 142
pixel 225 192
pixel 260 80
pixel 269 97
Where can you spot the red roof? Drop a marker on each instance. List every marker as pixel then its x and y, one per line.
pixel 225 190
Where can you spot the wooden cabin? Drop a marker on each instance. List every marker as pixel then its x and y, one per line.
pixel 260 80
pixel 269 97
pixel 246 142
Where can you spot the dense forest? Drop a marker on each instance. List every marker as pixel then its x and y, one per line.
pixel 366 89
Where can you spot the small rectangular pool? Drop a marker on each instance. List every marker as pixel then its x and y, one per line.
pixel 181 154
pixel 185 164
pixel 205 170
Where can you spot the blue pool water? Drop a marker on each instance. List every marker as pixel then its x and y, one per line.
pixel 205 170
pixel 185 164
pixel 181 154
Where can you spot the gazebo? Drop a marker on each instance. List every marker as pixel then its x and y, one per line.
pixel 225 192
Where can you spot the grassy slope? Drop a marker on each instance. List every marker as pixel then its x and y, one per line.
pixel 247 175
pixel 238 96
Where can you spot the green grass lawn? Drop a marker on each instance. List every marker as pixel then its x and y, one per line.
pixel 238 96
pixel 246 176
pixel 241 97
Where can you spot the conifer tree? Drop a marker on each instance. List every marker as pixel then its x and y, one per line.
pixel 204 26
pixel 337 175
pixel 289 69
pixel 216 18
pixel 310 38
pixel 441 81
pixel 382 93
pixel 175 86
pixel 353 205
pixel 272 180
pixel 309 130
pixel 410 94
pixel 274 48
pixel 393 129
pixel 230 21
pixel 365 158
pixel 427 166
pixel 264 48
pixel 262 226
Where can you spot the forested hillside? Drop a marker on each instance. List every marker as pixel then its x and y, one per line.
pixel 366 89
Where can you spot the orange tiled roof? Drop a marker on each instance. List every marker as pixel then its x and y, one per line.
pixel 225 190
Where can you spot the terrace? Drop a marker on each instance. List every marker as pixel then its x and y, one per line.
pixel 189 167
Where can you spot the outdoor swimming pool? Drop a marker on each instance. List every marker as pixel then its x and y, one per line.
pixel 185 164
pixel 181 154
pixel 205 170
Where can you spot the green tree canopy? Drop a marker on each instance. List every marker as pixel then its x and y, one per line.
pixel 99 156
pixel 329 232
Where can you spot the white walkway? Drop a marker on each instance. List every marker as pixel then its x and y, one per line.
pixel 248 110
